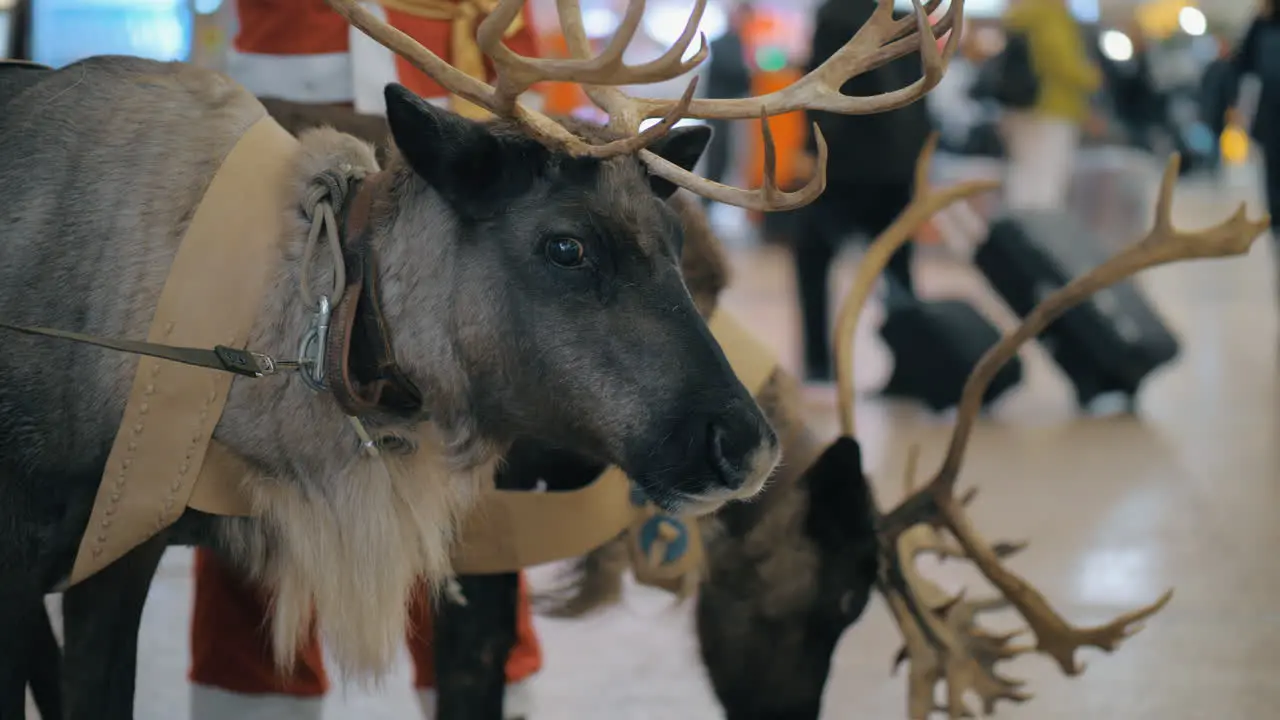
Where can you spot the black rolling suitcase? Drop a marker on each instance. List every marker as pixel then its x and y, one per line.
pixel 1111 342
pixel 935 345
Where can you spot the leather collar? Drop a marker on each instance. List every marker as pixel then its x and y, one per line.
pixel 362 374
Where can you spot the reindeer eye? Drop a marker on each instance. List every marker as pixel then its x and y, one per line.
pixel 565 252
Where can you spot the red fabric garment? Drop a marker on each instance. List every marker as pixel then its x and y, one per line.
pixel 525 659
pixel 436 36
pixel 310 27
pixel 290 27
pixel 231 639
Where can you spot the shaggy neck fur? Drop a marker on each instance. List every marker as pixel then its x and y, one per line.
pixel 341 539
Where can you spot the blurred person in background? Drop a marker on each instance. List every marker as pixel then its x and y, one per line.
pixel 1219 87
pixel 728 76
pixel 1217 93
pixel 18 42
pixel 1042 140
pixel 951 102
pixel 1139 104
pixel 1259 55
pixel 870 172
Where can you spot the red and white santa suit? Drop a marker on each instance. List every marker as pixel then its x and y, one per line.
pixel 302 51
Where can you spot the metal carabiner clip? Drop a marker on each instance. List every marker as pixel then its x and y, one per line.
pixel 311 364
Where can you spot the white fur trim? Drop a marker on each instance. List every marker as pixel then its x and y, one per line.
pixel 211 703
pixel 519 700
pixel 373 67
pixel 323 78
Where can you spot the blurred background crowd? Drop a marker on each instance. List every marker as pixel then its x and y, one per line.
pixel 1069 101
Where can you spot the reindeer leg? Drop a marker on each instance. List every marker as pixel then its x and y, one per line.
pixel 44 673
pixel 18 604
pixel 473 642
pixel 101 617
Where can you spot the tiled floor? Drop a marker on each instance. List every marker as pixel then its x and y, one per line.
pixel 1187 495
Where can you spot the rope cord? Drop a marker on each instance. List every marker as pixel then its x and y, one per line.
pixel 327 189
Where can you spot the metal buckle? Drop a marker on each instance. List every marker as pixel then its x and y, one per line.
pixel 243 362
pixel 311 349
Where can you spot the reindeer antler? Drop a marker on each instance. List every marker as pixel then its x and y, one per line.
pixel 942 639
pixel 936 505
pixel 880 41
pixel 925 203
pixel 517 73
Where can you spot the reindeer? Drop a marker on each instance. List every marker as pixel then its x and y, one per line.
pixel 527 276
pixel 789 572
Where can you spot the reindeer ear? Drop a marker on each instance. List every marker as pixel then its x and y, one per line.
pixel 474 170
pixel 841 506
pixel 682 146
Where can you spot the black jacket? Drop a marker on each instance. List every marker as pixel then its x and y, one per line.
pixel 1259 54
pixel 879 149
pixel 1136 98
pixel 728 75
pixel 1219 87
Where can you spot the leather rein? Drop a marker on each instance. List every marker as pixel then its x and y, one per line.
pixel 348 350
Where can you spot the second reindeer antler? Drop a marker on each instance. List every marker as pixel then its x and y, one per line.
pixel 942 639
pixel 924 204
pixel 943 642
pixel 880 41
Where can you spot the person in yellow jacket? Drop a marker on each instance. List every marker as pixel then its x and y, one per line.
pixel 1042 140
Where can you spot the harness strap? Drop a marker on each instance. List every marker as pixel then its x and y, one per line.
pixel 221 357
pixel 362 373
pixel 172 409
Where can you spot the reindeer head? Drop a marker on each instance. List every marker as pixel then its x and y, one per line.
pixel 789 575
pixel 559 293
pixel 545 300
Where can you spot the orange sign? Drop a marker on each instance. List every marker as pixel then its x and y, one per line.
pixel 561 98
pixel 788 132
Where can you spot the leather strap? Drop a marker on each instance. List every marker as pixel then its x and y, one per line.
pixel 221 357
pixel 221 487
pixel 360 366
pixel 362 375
pixel 212 295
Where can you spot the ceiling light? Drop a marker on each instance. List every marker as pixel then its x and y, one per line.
pixel 665 22
pixel 1192 21
pixel 1116 46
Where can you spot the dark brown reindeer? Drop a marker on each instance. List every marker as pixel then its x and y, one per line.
pixel 527 277
pixel 790 571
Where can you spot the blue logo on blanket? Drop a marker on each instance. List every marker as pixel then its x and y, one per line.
pixel 660 525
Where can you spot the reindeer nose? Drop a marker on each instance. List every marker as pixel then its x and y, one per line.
pixel 731 445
